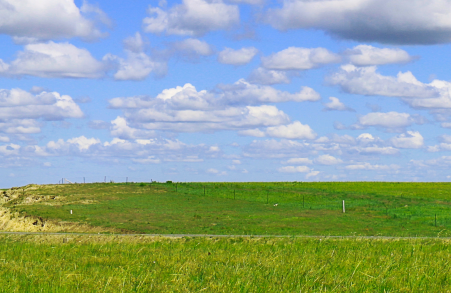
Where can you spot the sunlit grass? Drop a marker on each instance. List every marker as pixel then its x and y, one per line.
pixel 114 264
pixel 372 208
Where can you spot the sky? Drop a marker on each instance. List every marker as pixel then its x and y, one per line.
pixel 224 90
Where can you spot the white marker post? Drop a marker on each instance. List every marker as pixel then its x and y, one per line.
pixel 344 207
pixel 71 212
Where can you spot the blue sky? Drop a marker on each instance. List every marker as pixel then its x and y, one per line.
pixel 216 90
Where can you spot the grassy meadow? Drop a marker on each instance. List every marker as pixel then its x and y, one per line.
pixel 107 263
pixel 279 208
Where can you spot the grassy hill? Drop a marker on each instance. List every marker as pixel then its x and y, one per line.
pixel 281 208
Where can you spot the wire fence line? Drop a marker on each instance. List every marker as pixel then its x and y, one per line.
pixel 289 194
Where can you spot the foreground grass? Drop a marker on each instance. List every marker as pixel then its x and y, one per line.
pixel 139 264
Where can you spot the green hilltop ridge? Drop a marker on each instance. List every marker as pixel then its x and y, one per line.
pixel 276 208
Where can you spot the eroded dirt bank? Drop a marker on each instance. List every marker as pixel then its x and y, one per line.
pixel 15 222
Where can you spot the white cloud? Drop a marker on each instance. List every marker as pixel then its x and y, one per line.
pixel 268 77
pixel 192 48
pixel 9 149
pixel 184 109
pixel 237 57
pixel 440 147
pixel 21 110
pixel 409 140
pixel 83 143
pixel 134 43
pixel 49 19
pixel 366 138
pixel 336 105
pixel 312 174
pixel 366 81
pixel 388 120
pixel 385 21
pixel 251 2
pixel 193 18
pixel 445 138
pixel 328 160
pixel 55 60
pixel 294 58
pixel 298 161
pixel 148 160
pixel 295 130
pixel 368 166
pixel 142 151
pixel 444 146
pixel 138 65
pixel 252 132
pixel 19 104
pixel 374 150
pixel 242 91
pixel 120 129
pixel 365 55
pixel 294 169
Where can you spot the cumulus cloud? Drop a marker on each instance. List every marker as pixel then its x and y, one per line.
pixel 365 146
pixel 368 166
pixel 137 65
pixel 294 58
pixel 192 18
pixel 252 132
pixel 295 130
pixel 385 21
pixel 391 120
pixel 298 161
pixel 142 151
pixel 408 140
pixel 251 2
pixel 328 160
pixel 336 105
pixel 445 144
pixel 49 19
pixel 242 91
pixel 366 81
pixel 21 110
pixel 365 55
pixel 237 57
pixel 294 169
pixel 55 60
pixel 184 109
pixel 191 49
pixel 268 77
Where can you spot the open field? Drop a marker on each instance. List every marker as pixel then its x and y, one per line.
pixel 108 263
pixel 388 209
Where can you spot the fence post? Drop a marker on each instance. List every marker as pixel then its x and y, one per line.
pixel 344 207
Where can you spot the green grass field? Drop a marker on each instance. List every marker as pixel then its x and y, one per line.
pixel 146 264
pixel 389 209
pixel 111 263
